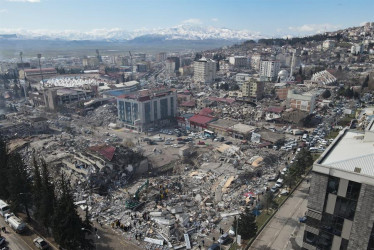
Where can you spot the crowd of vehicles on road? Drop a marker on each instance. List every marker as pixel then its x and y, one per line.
pixel 17 225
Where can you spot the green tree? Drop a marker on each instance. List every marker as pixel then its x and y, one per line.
pixel 19 184
pixel 47 198
pixel 303 160
pixel 4 194
pixel 67 225
pixel 246 223
pixel 307 121
pixel 326 94
pixel 37 190
pixel 289 178
pixel 365 83
pixel 268 201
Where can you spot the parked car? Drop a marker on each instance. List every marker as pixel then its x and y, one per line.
pixel 279 183
pixel 214 246
pixel 302 219
pixel 274 189
pixel 224 239
pixel 284 192
pixel 272 178
pixel 228 143
pixel 2 240
pixel 40 243
pixel 201 143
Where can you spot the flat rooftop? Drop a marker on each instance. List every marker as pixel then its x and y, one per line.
pixel 352 152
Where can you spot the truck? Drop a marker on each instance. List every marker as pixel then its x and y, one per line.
pixel 4 208
pixel 15 223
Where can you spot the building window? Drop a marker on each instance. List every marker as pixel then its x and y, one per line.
pixel 172 106
pixel 164 108
pixel 324 240
pixel 135 111
pixel 344 244
pixel 312 222
pixel 147 112
pixel 371 240
pixel 310 238
pixel 155 110
pixel 333 185
pixel 345 208
pixel 121 110
pixel 128 112
pixel 353 190
pixel 332 224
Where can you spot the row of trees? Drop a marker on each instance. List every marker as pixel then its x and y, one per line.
pixel 49 202
pixel 303 161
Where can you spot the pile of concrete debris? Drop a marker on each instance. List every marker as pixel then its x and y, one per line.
pixel 103 115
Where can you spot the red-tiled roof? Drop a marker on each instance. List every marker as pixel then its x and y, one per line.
pixel 205 111
pixel 188 104
pixel 104 150
pixel 219 99
pixel 201 119
pixel 275 109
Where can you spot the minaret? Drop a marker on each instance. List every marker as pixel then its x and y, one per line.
pixel 292 63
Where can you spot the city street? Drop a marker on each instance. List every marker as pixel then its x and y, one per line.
pixel 284 231
pixel 16 241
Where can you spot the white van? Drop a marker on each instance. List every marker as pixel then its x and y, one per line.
pixel 4 208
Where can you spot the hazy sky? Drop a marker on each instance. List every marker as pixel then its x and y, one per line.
pixel 269 17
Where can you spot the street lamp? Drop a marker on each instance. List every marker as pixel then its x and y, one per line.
pixel 98 237
pixel 40 67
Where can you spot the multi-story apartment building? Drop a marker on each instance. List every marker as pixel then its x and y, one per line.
pixel 269 68
pixel 304 101
pixel 161 56
pixel 253 89
pixel 340 205
pixel 172 65
pixel 238 61
pixel 328 44
pixel 256 61
pixel 147 108
pixel 204 70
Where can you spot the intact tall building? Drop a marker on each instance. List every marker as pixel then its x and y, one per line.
pixel 341 199
pixel 270 68
pixel 147 108
pixel 204 70
pixel 238 61
pixel 253 89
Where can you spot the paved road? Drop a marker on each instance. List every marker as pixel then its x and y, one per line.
pixel 15 241
pixel 283 231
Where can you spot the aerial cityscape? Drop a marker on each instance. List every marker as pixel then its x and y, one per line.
pixel 160 124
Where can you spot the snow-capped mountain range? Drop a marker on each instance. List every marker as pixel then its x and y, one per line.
pixel 180 32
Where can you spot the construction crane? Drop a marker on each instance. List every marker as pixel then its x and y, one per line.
pixel 134 203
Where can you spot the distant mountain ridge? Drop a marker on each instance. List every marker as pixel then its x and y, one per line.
pixel 180 32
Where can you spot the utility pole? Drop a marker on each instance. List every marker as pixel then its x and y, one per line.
pixel 40 67
pixel 24 75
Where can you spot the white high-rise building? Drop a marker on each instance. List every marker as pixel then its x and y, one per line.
pixel 256 61
pixel 269 68
pixel 204 70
